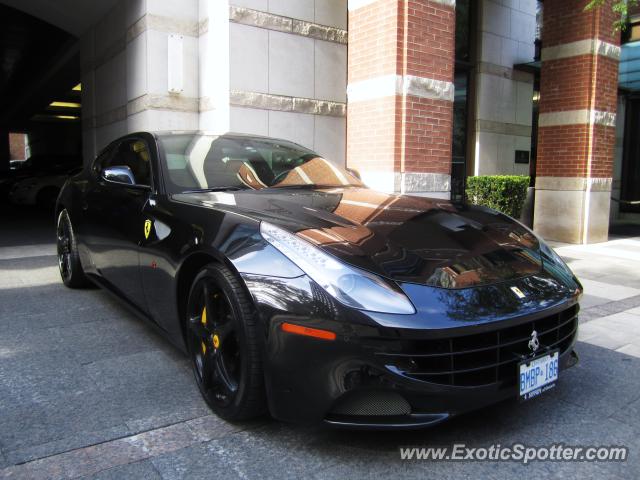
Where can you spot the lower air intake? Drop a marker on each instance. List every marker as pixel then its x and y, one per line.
pixel 372 403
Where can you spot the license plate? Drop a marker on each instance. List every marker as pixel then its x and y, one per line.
pixel 538 375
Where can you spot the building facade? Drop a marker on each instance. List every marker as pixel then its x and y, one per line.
pixel 414 94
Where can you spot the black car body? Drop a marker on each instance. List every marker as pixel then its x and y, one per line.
pixel 468 286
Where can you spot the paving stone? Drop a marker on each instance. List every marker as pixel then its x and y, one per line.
pixel 140 470
pixel 603 381
pixel 610 291
pixel 628 413
pixel 621 305
pixel 592 301
pixel 633 350
pixel 605 335
pixel 208 427
pixel 289 451
pixel 97 458
pixel 591 314
pixel 66 444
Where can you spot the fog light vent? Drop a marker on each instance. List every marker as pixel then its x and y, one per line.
pixel 372 403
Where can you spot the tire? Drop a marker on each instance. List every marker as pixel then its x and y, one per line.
pixel 224 345
pixel 69 264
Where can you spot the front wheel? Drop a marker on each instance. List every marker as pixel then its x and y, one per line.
pixel 68 258
pixel 223 342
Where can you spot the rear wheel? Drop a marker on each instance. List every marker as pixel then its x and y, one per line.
pixel 68 258
pixel 223 343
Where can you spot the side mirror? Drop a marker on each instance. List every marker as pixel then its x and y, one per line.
pixel 119 174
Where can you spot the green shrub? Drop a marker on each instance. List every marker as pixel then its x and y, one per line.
pixel 505 193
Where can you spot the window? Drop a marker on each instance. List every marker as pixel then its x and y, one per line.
pixel 132 153
pixel 465 21
pixel 195 162
pixel 632 33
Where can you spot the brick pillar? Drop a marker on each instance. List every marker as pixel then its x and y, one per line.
pixel 400 94
pixel 576 135
pixel 16 146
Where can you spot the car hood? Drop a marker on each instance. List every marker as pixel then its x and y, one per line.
pixel 406 238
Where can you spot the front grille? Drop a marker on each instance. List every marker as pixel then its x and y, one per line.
pixel 483 358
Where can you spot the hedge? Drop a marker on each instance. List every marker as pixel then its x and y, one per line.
pixel 505 193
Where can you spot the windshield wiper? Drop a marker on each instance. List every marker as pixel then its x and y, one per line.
pixel 231 188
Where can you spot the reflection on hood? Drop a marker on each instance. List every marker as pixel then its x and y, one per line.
pixel 405 238
pixel 420 240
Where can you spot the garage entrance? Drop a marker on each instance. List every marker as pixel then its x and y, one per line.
pixel 40 105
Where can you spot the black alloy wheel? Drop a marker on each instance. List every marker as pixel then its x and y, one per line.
pixel 68 258
pixel 223 344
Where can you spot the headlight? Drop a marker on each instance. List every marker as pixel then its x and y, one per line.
pixel 349 285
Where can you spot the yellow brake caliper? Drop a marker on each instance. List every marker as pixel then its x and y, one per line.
pixel 204 323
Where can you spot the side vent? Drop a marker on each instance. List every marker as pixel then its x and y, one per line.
pixel 372 403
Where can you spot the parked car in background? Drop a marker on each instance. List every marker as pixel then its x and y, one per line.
pixel 15 165
pixel 40 190
pixel 44 163
pixel 41 165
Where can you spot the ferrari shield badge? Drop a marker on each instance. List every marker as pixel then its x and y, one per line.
pixel 147 228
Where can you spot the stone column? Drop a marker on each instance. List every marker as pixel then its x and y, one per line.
pixel 576 135
pixel 400 94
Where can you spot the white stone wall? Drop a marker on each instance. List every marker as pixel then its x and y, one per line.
pixel 268 57
pixel 506 37
pixel 285 77
pixel 124 71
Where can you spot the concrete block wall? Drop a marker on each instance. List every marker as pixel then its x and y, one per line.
pixel 506 37
pixel 124 71
pixel 288 61
pixel 274 67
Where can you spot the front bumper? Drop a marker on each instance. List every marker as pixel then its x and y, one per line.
pixel 366 378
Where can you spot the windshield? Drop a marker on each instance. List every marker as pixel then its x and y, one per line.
pixel 202 162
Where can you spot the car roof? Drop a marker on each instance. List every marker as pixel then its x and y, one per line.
pixel 162 133
pixel 167 133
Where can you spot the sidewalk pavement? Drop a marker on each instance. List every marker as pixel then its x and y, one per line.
pixel 610 308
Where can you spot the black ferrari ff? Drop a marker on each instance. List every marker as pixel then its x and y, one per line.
pixel 296 290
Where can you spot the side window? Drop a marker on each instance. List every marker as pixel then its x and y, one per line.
pixel 133 153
